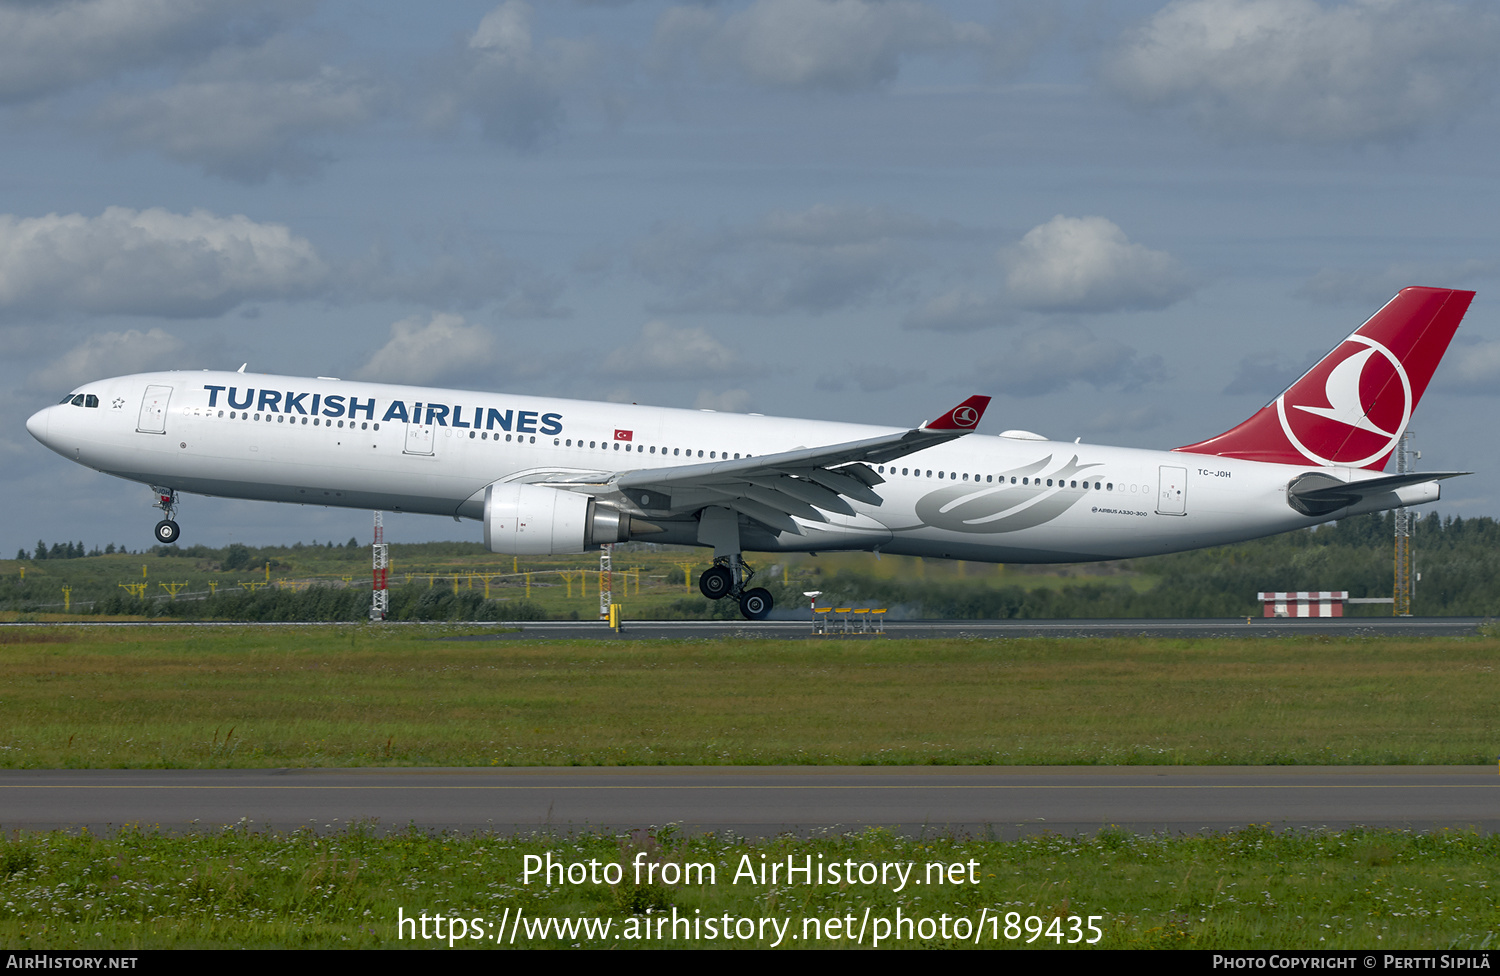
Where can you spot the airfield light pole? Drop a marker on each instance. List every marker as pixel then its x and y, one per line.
pixel 380 596
pixel 1401 605
pixel 606 582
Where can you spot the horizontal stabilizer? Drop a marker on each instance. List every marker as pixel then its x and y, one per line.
pixel 1317 493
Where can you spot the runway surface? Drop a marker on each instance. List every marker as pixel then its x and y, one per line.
pixel 761 801
pixel 802 629
pixel 1195 628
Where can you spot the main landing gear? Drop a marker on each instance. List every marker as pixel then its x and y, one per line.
pixel 720 527
pixel 727 577
pixel 167 530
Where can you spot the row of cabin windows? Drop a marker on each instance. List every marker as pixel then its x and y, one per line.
pixel 282 418
pixel 990 479
pixel 483 435
pixel 80 400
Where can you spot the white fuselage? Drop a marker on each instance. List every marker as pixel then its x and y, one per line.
pixel 413 449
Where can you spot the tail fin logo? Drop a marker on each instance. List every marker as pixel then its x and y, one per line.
pixel 965 417
pixel 1347 410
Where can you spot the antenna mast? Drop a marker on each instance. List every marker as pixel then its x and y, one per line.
pixel 1401 605
pixel 380 597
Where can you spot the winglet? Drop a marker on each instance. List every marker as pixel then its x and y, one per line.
pixel 965 416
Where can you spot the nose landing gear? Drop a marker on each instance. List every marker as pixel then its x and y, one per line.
pixel 167 530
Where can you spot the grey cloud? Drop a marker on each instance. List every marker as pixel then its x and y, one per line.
pixel 244 114
pixel 815 261
pixel 868 378
pixel 724 401
pixel 840 45
pixel 1117 421
pixel 108 354
pixel 959 311
pixel 46 48
pixel 1263 373
pixel 1302 71
pixel 458 272
pixel 1375 288
pixel 512 85
pixel 1472 366
pixel 663 352
pixel 1053 359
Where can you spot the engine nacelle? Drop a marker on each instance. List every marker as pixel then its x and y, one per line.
pixel 534 520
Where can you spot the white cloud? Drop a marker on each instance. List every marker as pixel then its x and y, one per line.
pixel 151 262
pixel 1086 264
pixel 244 114
pixel 48 47
pixel 841 45
pixel 109 354
pixel 441 347
pixel 1306 71
pixel 663 352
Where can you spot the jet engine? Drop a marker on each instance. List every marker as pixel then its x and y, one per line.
pixel 534 520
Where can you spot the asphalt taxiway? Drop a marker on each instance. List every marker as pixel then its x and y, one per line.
pixel 1002 802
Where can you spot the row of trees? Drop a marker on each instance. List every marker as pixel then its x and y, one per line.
pixel 1458 559
pixel 325 603
pixel 64 550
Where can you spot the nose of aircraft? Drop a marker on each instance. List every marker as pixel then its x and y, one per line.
pixel 37 424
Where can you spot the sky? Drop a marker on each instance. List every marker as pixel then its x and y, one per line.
pixel 1130 222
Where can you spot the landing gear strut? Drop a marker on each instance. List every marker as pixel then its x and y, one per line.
pixel 720 528
pixel 727 577
pixel 167 530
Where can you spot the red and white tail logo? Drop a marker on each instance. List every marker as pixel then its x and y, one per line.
pixel 965 416
pixel 1353 406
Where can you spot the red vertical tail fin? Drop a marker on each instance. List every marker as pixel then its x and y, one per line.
pixel 1353 406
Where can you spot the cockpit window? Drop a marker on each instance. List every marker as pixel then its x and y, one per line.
pixel 78 400
pixel 66 399
pixel 90 401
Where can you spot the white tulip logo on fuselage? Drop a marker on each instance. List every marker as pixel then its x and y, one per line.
pixel 1347 406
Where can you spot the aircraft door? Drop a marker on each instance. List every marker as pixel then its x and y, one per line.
pixel 419 439
pixel 153 419
pixel 1172 491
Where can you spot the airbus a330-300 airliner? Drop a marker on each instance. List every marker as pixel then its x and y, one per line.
pixel 565 476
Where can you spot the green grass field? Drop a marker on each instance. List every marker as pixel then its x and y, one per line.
pixel 194 697
pixel 1250 889
pixel 388 695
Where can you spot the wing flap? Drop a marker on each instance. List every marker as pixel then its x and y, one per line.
pixel 803 483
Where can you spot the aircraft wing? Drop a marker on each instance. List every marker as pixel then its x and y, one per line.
pixel 771 488
pixel 1317 493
